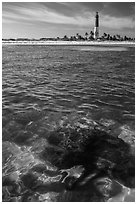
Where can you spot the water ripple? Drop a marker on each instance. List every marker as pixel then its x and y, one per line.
pixel 51 94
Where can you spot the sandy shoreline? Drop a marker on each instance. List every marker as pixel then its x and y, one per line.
pixel 67 43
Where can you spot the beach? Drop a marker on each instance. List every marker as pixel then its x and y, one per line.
pixel 103 43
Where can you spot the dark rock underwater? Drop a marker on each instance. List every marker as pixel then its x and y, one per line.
pixel 80 162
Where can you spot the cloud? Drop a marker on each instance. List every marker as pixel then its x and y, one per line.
pixel 115 9
pixel 120 9
pixel 43 14
pixel 49 16
pixel 71 14
pixel 117 22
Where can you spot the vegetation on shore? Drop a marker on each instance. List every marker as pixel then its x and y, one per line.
pixel 78 37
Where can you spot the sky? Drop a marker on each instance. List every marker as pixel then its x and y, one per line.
pixel 56 19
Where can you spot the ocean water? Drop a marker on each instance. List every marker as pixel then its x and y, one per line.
pixel 68 118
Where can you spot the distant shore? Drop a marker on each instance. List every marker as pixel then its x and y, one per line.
pixel 68 43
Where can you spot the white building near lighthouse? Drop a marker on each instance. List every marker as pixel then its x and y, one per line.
pixel 96 28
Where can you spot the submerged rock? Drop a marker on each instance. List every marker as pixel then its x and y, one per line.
pixel 99 153
pixel 73 162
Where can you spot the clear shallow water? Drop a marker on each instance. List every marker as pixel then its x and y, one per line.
pixel 63 102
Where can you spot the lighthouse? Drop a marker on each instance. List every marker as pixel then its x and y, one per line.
pixel 96 28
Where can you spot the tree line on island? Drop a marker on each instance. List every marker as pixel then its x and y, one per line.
pixel 87 37
pixel 105 36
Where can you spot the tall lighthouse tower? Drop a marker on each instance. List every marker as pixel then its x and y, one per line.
pixel 96 28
